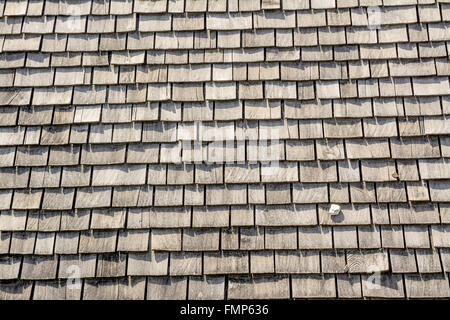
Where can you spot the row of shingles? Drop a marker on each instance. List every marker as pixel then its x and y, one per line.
pixel 24 130
pixel 21 125
pixel 249 76
pixel 232 287
pixel 166 240
pixel 335 19
pixel 302 75
pixel 332 84
pixel 52 7
pixel 202 48
pixel 249 88
pixel 103 195
pixel 298 154
pixel 66 51
pixel 118 7
pixel 226 217
pixel 424 164
pixel 243 6
pixel 158 238
pixel 107 176
pixel 427 12
pixel 338 130
pixel 91 44
pixel 249 39
pixel 228 262
pixel 223 91
pixel 327 36
pixel 227 240
pixel 222 96
pixel 386 93
pixel 69 26
pixel 247 238
pixel 423 116
pixel 273 260
pixel 85 7
pixel 72 239
pixel 72 242
pixel 295 169
pixel 245 67
pixel 23 243
pixel 55 198
pixel 308 54
pixel 304 238
pixel 414 116
pixel 418 214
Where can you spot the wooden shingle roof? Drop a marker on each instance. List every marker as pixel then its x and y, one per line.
pixel 191 149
